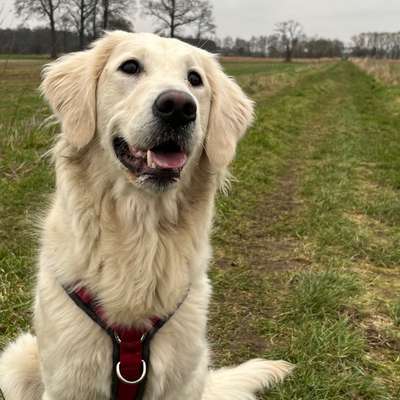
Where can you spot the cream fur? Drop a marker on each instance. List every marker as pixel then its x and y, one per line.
pixel 136 249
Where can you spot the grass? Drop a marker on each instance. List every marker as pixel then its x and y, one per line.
pixel 313 239
pixel 307 259
pixel 28 57
pixel 266 68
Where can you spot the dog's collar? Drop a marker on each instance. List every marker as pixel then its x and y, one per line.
pixel 131 347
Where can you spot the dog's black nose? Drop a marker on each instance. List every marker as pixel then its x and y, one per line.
pixel 175 107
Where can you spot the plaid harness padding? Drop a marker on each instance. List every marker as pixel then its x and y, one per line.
pixel 131 347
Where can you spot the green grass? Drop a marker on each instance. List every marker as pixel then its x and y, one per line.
pixel 307 259
pixel 25 180
pixel 245 68
pixel 309 239
pixel 27 57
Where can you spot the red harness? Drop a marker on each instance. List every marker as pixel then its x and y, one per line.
pixel 131 348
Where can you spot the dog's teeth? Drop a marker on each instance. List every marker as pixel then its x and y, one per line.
pixel 149 159
pixel 153 165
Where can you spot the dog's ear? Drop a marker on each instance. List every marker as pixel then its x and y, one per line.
pixel 69 85
pixel 231 114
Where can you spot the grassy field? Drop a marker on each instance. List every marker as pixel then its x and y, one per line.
pixel 307 246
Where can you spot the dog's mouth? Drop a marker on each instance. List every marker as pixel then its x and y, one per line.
pixel 162 163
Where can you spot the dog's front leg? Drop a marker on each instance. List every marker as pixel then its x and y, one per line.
pixel 75 354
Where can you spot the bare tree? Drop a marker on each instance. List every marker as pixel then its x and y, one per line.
pixel 242 47
pixel 110 15
pixel 262 43
pixel 43 9
pixel 94 18
pixel 228 43
pixel 114 11
pixel 173 15
pixel 205 24
pixel 290 34
pixel 89 17
pixel 253 44
pixel 80 13
pixel 106 13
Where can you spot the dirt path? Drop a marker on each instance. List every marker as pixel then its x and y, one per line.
pixel 257 245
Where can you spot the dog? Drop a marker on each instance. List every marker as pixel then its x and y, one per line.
pixel 149 128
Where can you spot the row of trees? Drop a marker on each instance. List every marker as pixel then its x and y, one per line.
pixel 35 41
pixel 85 17
pixel 38 41
pixel 73 23
pixel 89 17
pixel 287 42
pixel 377 45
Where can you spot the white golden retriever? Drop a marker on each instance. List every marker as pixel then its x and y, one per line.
pixel 149 126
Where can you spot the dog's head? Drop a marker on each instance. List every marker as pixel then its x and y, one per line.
pixel 153 104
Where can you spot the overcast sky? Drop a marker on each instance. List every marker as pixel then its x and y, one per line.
pixel 327 18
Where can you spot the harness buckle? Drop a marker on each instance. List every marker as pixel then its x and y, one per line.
pixel 121 378
pixel 119 341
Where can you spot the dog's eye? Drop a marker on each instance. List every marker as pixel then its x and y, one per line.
pixel 130 67
pixel 194 79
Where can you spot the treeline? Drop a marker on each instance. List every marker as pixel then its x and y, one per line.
pixel 274 46
pixel 38 41
pixel 377 45
pixel 75 23
pixel 69 25
pixel 71 19
pixel 72 24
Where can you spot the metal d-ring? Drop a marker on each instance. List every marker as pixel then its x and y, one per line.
pixel 132 382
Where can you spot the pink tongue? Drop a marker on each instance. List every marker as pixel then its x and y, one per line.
pixel 169 160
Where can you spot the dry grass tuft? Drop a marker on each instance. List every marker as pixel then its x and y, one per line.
pixel 386 71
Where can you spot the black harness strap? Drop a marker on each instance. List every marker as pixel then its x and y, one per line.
pixel 89 310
